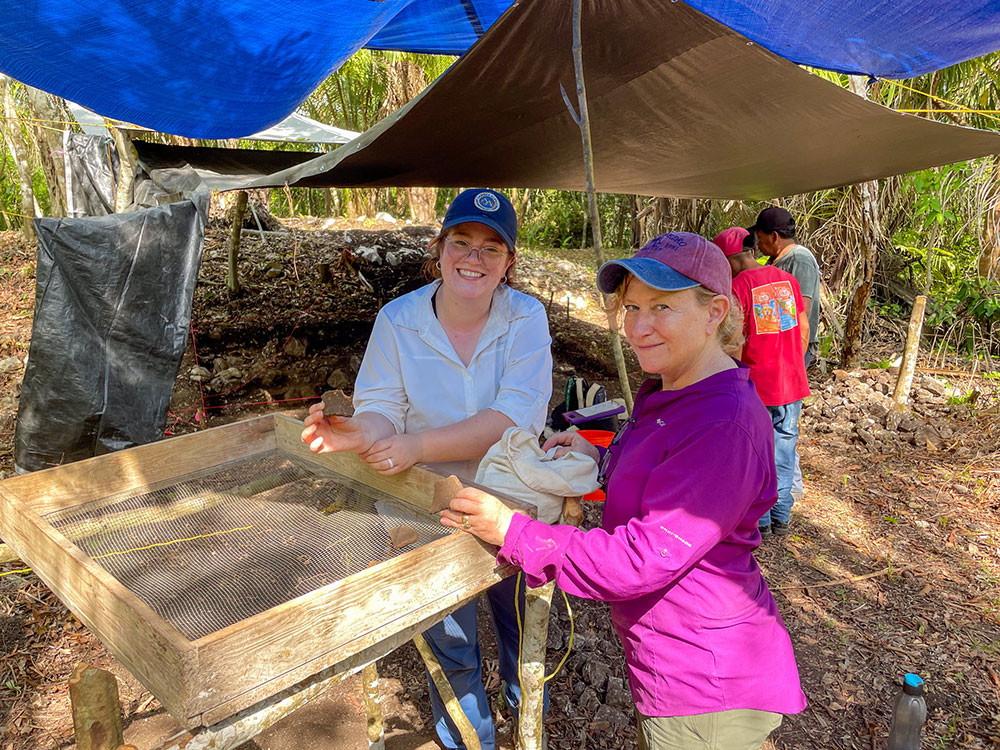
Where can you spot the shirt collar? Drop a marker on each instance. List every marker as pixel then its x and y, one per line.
pixel 432 333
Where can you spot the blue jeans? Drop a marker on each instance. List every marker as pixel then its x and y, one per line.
pixel 797 490
pixel 455 642
pixel 785 420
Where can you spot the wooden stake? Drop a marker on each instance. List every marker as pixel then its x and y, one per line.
pixel 233 279
pixel 469 737
pixel 373 708
pixel 537 603
pixel 97 715
pixel 905 379
pixel 583 120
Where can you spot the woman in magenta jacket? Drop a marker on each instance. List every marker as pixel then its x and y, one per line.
pixel 709 659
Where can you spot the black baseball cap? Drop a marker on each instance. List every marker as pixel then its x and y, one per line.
pixel 773 219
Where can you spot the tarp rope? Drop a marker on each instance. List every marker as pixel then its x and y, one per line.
pixel 930 96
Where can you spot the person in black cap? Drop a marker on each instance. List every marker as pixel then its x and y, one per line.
pixel 448 368
pixel 775 233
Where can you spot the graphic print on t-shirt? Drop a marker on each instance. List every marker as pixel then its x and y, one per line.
pixel 774 307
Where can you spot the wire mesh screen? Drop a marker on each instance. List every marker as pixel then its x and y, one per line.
pixel 216 547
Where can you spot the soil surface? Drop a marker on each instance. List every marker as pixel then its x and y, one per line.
pixel 892 565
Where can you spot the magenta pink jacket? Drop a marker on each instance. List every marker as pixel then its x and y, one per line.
pixel 689 475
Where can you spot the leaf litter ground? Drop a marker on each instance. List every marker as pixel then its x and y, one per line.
pixel 892 566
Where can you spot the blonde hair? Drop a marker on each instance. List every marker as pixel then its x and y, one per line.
pixel 730 330
pixel 432 268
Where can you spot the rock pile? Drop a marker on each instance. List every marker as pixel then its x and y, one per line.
pixel 858 406
pixel 599 690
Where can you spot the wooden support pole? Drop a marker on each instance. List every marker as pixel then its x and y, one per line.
pixel 373 707
pixel 583 120
pixel 469 737
pixel 247 724
pixel 537 603
pixel 97 714
pixel 905 379
pixel 239 210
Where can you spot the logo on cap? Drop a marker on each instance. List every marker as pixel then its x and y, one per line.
pixel 487 202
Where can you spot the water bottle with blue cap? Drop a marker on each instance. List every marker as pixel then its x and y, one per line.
pixel 908 715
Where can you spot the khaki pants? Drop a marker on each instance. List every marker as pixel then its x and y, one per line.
pixel 741 729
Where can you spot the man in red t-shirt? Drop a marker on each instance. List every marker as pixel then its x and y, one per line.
pixel 776 328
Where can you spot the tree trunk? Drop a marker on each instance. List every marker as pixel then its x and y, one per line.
pixel 239 210
pixel 19 150
pixel 422 202
pixel 49 138
pixel 989 252
pixel 126 172
pixel 870 237
pixel 635 225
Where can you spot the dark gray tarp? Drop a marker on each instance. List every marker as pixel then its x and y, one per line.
pixel 187 168
pixel 112 312
pixel 91 169
pixel 680 105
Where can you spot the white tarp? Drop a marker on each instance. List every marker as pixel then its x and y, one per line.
pixel 295 128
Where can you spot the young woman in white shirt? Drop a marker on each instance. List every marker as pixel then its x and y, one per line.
pixel 448 368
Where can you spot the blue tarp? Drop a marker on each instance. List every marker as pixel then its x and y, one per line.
pixel 207 69
pixel 227 69
pixel 898 39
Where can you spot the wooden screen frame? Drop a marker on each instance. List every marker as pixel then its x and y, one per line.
pixel 204 681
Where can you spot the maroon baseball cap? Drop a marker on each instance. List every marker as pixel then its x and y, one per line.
pixel 730 241
pixel 671 262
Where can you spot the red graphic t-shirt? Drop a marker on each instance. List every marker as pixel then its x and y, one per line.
pixel 771 303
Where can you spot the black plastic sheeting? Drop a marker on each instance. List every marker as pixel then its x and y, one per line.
pixel 112 313
pixel 91 170
pixel 177 168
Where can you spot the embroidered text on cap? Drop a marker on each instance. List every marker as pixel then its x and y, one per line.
pixel 487 202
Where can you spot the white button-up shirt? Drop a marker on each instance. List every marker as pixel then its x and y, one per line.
pixel 412 376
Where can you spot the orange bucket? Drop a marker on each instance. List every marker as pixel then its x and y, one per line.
pixel 603 439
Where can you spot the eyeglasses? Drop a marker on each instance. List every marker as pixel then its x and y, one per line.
pixel 489 255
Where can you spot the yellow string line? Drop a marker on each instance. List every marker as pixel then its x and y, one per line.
pixel 967 111
pixel 12 572
pixel 175 541
pixel 149 546
pixel 929 95
pixel 35 119
pixel 20 216
pixel 922 93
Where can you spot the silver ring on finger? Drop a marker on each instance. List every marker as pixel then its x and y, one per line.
pixel 391 464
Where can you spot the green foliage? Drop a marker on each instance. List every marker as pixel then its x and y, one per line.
pixel 555 220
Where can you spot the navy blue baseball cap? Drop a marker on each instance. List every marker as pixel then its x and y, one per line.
pixel 671 262
pixel 486 207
